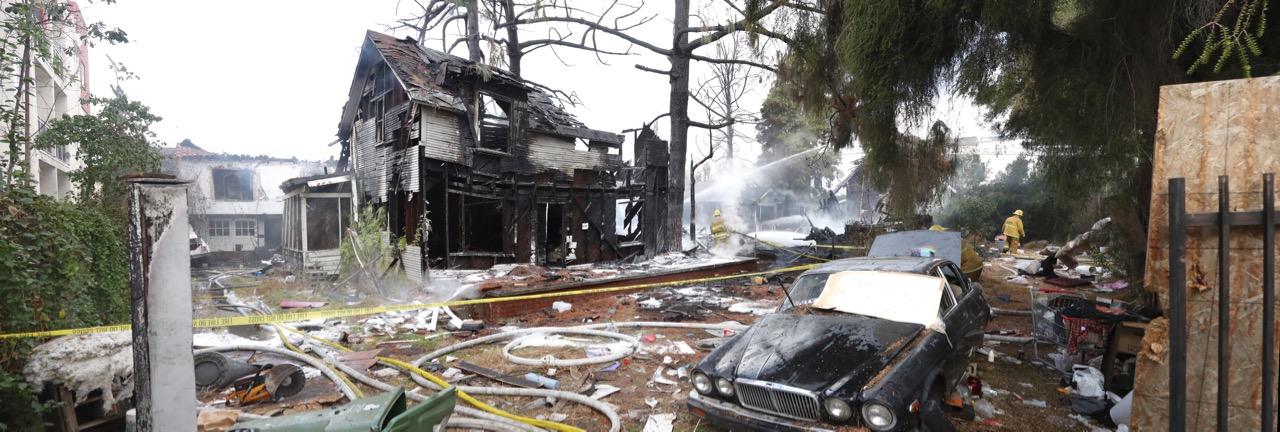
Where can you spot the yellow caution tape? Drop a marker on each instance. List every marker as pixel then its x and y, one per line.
pixel 340 313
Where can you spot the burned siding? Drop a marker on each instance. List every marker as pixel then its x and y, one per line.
pixel 440 140
pixel 559 153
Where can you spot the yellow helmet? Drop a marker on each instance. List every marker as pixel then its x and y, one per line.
pixel 717 213
pixel 1018 212
pixel 937 228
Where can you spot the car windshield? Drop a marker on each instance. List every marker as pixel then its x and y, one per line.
pixel 902 297
pixel 805 290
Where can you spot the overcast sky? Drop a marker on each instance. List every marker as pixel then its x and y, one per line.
pixel 270 77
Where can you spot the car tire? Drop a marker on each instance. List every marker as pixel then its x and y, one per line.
pixel 933 419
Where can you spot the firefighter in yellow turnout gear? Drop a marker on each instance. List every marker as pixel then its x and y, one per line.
pixel 970 262
pixel 1013 230
pixel 719 232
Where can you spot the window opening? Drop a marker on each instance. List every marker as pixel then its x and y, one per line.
pixel 246 228
pixel 232 185
pixel 495 123
pixel 219 228
pixel 553 232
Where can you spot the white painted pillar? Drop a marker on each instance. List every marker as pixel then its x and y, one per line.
pixel 160 277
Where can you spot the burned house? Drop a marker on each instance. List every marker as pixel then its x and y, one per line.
pixel 475 167
pixel 235 204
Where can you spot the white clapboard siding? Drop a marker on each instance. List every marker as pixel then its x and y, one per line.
pixel 440 136
pixel 558 153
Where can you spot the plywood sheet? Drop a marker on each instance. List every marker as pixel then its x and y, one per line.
pixel 1208 130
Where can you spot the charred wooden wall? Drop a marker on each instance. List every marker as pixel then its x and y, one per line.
pixel 489 206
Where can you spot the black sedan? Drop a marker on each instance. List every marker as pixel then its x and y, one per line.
pixel 875 342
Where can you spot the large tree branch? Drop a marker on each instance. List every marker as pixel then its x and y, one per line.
pixel 720 31
pixel 530 46
pixel 711 126
pixel 591 25
pixel 732 61
pixel 649 69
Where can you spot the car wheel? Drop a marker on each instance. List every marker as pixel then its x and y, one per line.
pixel 933 417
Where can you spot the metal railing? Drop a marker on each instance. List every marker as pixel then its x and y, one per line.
pixel 1223 220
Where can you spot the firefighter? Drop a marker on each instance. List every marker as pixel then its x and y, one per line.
pixel 719 232
pixel 1014 231
pixel 970 262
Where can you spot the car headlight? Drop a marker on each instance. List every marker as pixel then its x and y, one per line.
pixel 702 383
pixel 878 416
pixel 838 409
pixel 724 386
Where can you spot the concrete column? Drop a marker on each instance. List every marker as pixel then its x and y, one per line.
pixel 160 277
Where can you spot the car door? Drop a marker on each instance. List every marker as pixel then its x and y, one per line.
pixel 963 321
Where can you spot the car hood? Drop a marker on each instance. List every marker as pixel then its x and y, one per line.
pixel 813 352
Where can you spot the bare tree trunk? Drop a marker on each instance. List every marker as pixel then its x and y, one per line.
pixel 679 59
pixel 726 83
pixel 514 54
pixel 693 203
pixel 23 88
pixel 473 32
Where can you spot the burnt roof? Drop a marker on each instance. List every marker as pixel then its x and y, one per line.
pixel 422 71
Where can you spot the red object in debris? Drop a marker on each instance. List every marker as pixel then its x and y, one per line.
pixel 301 304
pixel 975 387
pixel 728 332
pixel 649 338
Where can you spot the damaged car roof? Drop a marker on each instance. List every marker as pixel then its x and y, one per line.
pixel 901 264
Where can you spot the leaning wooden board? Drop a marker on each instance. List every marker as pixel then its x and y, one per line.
pixel 1208 130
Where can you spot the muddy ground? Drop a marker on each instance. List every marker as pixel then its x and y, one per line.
pixel 639 396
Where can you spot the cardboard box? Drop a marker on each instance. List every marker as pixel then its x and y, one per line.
pixel 1129 335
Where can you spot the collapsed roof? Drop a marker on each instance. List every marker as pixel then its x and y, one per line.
pixel 429 77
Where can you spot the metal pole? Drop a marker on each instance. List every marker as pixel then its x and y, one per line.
pixel 164 376
pixel 1224 300
pixel 1268 301
pixel 1177 305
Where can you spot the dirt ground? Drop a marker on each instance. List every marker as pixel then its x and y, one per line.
pixel 639 395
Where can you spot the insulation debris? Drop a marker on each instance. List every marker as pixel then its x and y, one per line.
pixel 85 363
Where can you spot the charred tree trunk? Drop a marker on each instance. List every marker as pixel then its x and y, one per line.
pixel 679 59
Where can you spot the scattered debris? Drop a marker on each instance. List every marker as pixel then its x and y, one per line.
pixel 659 379
pixel 545 382
pixel 359 360
pixel 502 378
pixel 301 304
pixel 216 420
pixel 561 306
pixel 603 390
pixel 660 423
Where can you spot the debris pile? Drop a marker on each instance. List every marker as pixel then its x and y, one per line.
pixel 84 364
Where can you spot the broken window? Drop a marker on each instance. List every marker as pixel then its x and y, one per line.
pixel 495 122
pixel 219 228
pixel 376 111
pixel 232 185
pixel 246 228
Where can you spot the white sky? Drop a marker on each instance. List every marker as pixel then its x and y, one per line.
pixel 270 77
